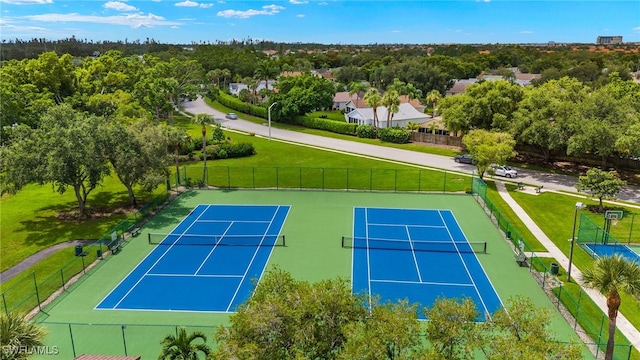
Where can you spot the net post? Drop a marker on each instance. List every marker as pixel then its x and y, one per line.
pixel 149 237
pixel 284 242
pixel 484 250
pixel 342 241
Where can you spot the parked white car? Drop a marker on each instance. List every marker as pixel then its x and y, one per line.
pixel 503 170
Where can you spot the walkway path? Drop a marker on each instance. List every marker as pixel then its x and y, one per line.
pixel 632 334
pixel 33 259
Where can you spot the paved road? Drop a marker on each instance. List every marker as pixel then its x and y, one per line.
pixel 550 181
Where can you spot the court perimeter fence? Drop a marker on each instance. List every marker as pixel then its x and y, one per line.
pixel 340 179
pixel 31 292
pixel 567 299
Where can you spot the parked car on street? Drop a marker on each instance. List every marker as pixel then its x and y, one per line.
pixel 503 170
pixel 231 116
pixel 465 159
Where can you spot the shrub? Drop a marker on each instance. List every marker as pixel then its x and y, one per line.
pixel 234 103
pixel 339 127
pixel 366 131
pixel 229 150
pixel 394 135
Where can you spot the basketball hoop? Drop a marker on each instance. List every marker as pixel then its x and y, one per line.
pixel 614 221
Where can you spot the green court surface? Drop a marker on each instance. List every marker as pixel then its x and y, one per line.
pixel 313 230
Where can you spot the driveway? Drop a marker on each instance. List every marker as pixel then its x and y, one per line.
pixel 537 178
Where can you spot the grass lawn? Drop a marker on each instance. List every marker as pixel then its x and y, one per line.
pixel 331 115
pixel 554 215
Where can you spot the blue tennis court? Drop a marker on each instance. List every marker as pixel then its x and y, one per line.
pixel 206 263
pixel 419 255
pixel 610 249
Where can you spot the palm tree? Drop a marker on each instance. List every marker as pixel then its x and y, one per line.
pixel 226 74
pixel 181 347
pixel 373 99
pixel 16 332
pixel 176 137
pixel 266 70
pixel 356 87
pixel 391 100
pixel 610 275
pixel 432 98
pixel 412 92
pixel 203 120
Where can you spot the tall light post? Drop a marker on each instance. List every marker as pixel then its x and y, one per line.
pixel 269 111
pixel 579 206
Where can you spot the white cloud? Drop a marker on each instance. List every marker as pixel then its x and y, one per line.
pixel 395 31
pixel 133 20
pixel 187 3
pixel 27 2
pixel 636 29
pixel 175 27
pixel 245 14
pixel 300 15
pixel 323 3
pixel 120 6
pixel 526 32
pixel 298 2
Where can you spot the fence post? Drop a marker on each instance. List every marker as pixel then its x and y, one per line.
pixel 322 170
pixel 395 181
pixel 631 228
pixel 73 345
pixel 575 324
pixel 35 284
pixel 370 179
pixel 4 302
pixel 84 269
pixel 62 278
pixel 559 296
pixel 347 184
pixel 228 178
pixel 420 180
pixel 300 178
pixel 444 185
pixel 124 340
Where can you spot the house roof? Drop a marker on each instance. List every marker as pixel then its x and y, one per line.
pixel 342 96
pixel 405 112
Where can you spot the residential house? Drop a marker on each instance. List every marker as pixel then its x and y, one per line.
pixel 235 88
pixel 364 115
pixel 340 100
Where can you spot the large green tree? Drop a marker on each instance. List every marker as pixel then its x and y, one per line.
pixel 298 95
pixel 65 151
pixel 451 329
pixel 391 100
pixel 601 184
pixel 611 275
pixel 546 115
pixel 488 148
pixel 288 318
pixel 373 99
pixel 138 154
pixel 522 331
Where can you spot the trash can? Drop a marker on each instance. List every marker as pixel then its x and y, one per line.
pixel 78 250
pixel 554 269
pixel 99 253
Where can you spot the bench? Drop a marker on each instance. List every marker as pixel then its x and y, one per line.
pixel 134 230
pixel 115 245
pixel 520 186
pixel 539 188
pixel 521 258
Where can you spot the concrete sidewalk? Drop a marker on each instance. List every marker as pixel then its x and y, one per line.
pixel 632 334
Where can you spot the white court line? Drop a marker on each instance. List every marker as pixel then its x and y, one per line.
pixel 196 276
pixel 253 258
pixel 486 311
pixel 160 258
pixel 422 283
pixel 412 225
pixel 413 253
pixel 366 236
pixel 213 248
pixel 237 221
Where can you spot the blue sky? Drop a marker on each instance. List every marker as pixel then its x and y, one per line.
pixel 322 21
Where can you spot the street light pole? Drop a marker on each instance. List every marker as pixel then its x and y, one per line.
pixel 269 111
pixel 579 206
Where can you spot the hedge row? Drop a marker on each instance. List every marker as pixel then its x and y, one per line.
pixel 394 135
pixel 234 103
pixel 229 150
pixel 339 127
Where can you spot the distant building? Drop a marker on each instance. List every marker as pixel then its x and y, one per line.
pixel 606 40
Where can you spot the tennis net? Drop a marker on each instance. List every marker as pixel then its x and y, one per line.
pixel 216 240
pixel 414 245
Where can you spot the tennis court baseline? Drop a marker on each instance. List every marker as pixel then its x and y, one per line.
pixel 419 255
pixel 207 263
